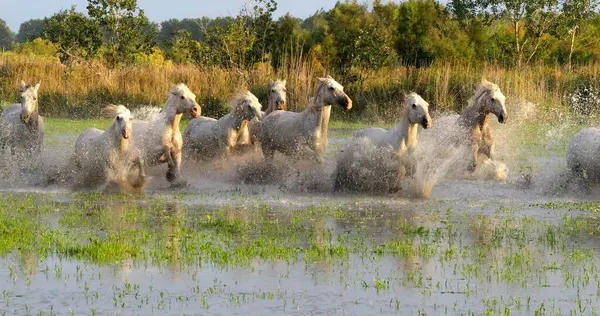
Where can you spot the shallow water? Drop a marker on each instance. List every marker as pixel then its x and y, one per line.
pixel 220 247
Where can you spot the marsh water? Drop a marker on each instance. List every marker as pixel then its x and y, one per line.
pixel 220 247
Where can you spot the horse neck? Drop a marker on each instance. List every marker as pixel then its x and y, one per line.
pixel 270 105
pixel 117 140
pixel 230 121
pixel 320 112
pixel 171 117
pixel 403 132
pixel 33 121
pixel 473 115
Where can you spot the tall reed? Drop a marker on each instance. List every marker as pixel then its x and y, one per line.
pixel 82 90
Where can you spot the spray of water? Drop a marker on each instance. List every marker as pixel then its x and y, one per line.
pixel 146 113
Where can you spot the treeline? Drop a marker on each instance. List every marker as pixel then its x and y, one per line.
pixel 349 37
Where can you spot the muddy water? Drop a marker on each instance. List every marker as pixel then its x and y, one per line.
pixel 475 247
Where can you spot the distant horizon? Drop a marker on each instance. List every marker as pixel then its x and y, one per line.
pixel 157 10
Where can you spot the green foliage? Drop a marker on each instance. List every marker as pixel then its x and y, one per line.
pixel 30 30
pixel 126 29
pixel 38 47
pixel 347 39
pixel 77 36
pixel 6 36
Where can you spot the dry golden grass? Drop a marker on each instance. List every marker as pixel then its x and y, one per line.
pixel 84 89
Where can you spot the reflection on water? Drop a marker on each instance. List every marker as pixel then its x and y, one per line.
pixel 115 255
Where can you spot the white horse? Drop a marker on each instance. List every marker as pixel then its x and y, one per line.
pixel 401 140
pixel 582 154
pixel 304 134
pixel 403 137
pixel 206 137
pixel 472 127
pixel 160 140
pixel 105 158
pixel 21 126
pixel 276 101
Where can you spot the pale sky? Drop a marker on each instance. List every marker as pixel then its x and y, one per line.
pixel 16 12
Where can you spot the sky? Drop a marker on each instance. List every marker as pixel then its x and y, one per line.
pixel 15 12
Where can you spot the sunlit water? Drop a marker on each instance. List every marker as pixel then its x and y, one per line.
pixel 219 247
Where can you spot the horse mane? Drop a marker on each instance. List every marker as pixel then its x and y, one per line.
pixel 277 82
pixel 484 88
pixel 237 102
pixel 178 88
pixel 112 110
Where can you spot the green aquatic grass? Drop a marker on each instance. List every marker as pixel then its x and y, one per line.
pixel 469 250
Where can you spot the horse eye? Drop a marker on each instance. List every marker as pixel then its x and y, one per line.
pixel 182 97
pixel 119 118
pixel 414 106
pixel 34 98
pixel 273 90
pixel 493 99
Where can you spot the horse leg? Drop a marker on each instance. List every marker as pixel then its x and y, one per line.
pixel 138 184
pixel 268 152
pixel 488 141
pixel 473 164
pixel 175 172
pixel 171 171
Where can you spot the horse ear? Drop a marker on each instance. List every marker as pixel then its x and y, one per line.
pixel 23 86
pixel 284 81
pixel 323 80
pixel 271 83
pixel 329 77
pixel 37 85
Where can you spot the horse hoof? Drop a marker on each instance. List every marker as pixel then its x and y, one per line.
pixel 179 184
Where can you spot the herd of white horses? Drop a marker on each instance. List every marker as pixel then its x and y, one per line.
pixel 120 155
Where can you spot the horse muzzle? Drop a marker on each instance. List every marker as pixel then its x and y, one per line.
pixel 280 105
pixel 346 103
pixel 426 123
pixel 196 111
pixel 126 133
pixel 502 118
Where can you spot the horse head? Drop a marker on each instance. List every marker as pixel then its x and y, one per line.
pixel 246 106
pixel 332 93
pixel 278 96
pixel 185 100
pixel 122 119
pixel 493 101
pixel 29 100
pixel 418 110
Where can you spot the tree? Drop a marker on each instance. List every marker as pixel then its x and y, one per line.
pixel 287 39
pixel 6 36
pixel 346 25
pixel 126 29
pixel 76 35
pixel 30 30
pixel 258 21
pixel 530 21
pixel 574 12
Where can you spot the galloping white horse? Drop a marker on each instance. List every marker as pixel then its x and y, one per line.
pixel 207 137
pixel 21 126
pixel 304 134
pixel 160 140
pixel 472 127
pixel 105 157
pixel 369 153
